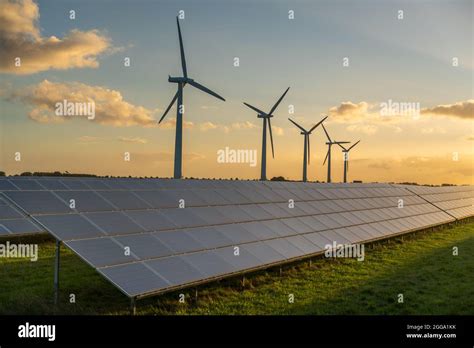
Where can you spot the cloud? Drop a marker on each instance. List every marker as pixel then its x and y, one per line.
pixel 110 108
pixel 350 111
pixel 471 138
pixel 206 107
pixel 135 140
pixel 20 37
pixel 207 126
pixel 164 156
pixel 433 130
pixel 368 129
pixel 89 139
pixel 463 110
pixel 171 124
pixel 243 125
pixel 380 165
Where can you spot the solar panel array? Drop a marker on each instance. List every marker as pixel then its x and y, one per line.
pixel 457 201
pixel 149 236
pixel 13 222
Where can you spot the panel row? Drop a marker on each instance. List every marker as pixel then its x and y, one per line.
pixel 14 222
pixel 84 183
pixel 140 278
pixel 90 225
pixel 106 250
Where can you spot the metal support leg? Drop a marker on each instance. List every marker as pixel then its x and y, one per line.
pixel 310 263
pixel 133 306
pixel 56 272
pixel 196 294
pixel 243 282
pixel 281 271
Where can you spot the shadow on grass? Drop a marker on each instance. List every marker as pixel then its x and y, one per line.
pixel 435 282
pixel 430 278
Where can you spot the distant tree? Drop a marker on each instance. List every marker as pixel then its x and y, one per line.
pixel 278 178
pixel 2 173
pixel 26 174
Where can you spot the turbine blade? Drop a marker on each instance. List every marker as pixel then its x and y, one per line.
pixel 342 147
pixel 325 131
pixel 204 89
pixel 255 109
pixel 169 107
pixel 181 48
pixel 325 159
pixel 353 145
pixel 278 102
pixel 317 124
pixel 271 135
pixel 297 125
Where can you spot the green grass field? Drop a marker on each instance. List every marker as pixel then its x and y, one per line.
pixel 421 267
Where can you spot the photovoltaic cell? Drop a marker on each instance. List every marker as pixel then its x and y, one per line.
pixel 38 202
pixel 113 223
pixel 134 279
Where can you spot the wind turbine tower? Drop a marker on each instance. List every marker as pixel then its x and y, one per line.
pixel 266 119
pixel 345 152
pixel 330 143
pixel 181 82
pixel 307 148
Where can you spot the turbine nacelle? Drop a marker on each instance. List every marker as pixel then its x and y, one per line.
pixel 174 79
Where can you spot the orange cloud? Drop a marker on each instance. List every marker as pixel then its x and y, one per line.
pixel 20 37
pixel 463 110
pixel 368 129
pixel 110 108
pixel 135 140
pixel 350 111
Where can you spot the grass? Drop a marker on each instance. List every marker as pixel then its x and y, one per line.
pixel 421 267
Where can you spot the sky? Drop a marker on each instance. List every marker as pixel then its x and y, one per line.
pixel 421 57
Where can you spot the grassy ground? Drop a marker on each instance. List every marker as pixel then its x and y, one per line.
pixel 422 268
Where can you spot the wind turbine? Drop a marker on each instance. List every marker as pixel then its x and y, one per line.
pixel 330 143
pixel 266 118
pixel 307 148
pixel 346 158
pixel 182 81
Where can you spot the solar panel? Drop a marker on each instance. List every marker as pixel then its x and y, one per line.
pixel 175 270
pixel 38 202
pixel 101 251
pixel 69 226
pixel 134 232
pixel 134 279
pixel 113 223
